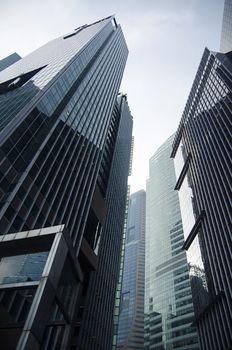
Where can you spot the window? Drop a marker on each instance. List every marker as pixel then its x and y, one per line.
pixel 18 81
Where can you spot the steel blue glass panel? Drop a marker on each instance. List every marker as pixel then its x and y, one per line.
pixel 168 299
pixel 22 268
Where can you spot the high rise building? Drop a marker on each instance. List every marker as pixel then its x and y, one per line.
pixel 226 35
pixel 64 159
pixel 117 303
pixel 131 318
pixel 168 298
pixel 97 326
pixel 9 60
pixel 202 152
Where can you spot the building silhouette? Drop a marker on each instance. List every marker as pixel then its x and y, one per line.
pixel 202 154
pixel 65 138
pixel 168 298
pixel 131 318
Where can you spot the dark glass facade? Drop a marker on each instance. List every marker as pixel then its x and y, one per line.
pixel 202 152
pixel 226 35
pixel 168 298
pixel 98 325
pixel 131 317
pixel 9 60
pixel 119 284
pixel 62 132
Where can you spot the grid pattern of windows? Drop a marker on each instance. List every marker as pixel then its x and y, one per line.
pixel 168 297
pixel 50 161
pixel 226 35
pixel 205 133
pixel 65 143
pixel 131 318
pixel 98 325
pixel 55 57
pixel 118 299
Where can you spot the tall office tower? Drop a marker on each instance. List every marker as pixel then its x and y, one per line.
pixel 226 35
pixel 96 331
pixel 202 151
pixel 131 318
pixel 64 159
pixel 9 60
pixel 168 298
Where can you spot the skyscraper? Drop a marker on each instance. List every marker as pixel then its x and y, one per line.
pixel 65 145
pixel 226 35
pixel 97 326
pixel 168 298
pixel 9 60
pixel 202 152
pixel 131 319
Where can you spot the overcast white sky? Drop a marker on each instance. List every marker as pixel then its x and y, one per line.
pixel 166 39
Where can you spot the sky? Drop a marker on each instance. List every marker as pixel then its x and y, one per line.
pixel 166 40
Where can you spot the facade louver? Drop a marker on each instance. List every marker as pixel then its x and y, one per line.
pixel 65 144
pixel 202 152
pixel 98 324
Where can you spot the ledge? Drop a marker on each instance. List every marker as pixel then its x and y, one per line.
pixel 194 231
pixel 183 173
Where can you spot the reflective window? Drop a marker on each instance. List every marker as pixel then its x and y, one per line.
pixel 187 205
pixel 197 275
pixel 22 268
pixel 180 158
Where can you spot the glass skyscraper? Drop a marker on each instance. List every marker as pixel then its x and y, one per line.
pixel 131 318
pixel 65 140
pixel 9 60
pixel 202 152
pixel 168 298
pixel 98 307
pixel 226 35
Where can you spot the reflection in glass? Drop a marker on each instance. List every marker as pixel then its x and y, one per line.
pixel 180 159
pixel 197 276
pixel 168 300
pixel 187 205
pixel 22 268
